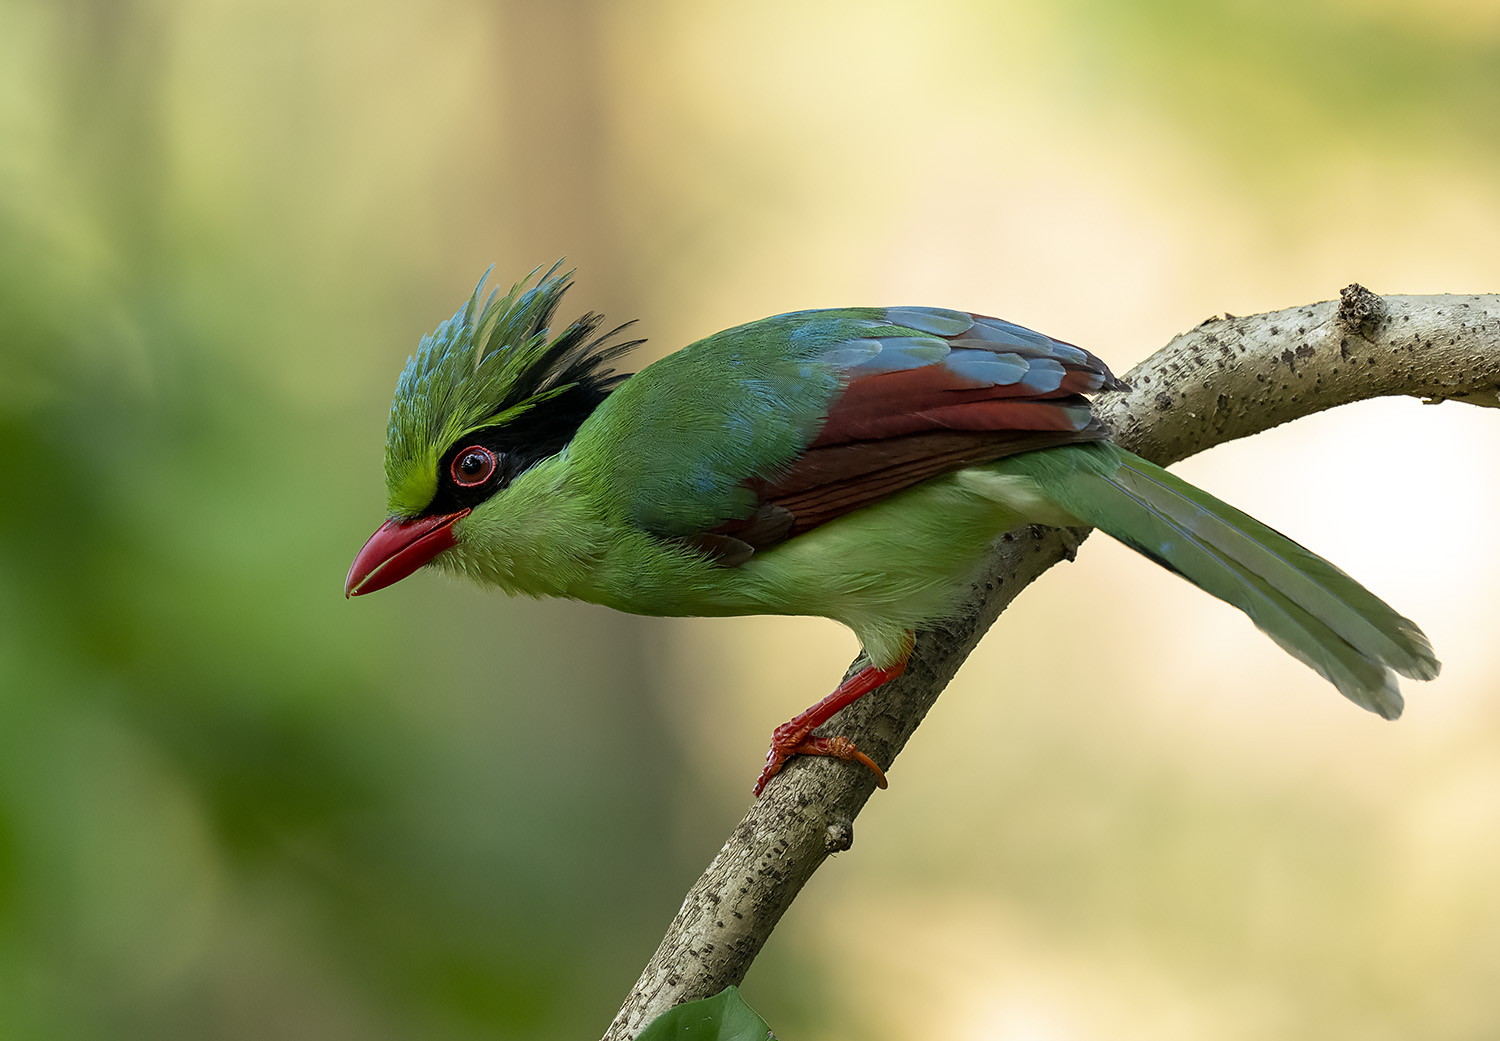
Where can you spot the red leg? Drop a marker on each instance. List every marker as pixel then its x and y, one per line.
pixel 793 736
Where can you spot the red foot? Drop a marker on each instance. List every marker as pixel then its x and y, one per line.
pixel 794 736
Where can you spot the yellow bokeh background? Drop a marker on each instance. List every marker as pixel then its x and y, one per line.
pixel 234 805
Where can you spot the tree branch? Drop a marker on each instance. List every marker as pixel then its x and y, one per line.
pixel 1226 379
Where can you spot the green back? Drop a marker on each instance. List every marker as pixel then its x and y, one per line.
pixel 671 449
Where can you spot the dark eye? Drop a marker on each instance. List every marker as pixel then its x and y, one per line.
pixel 472 466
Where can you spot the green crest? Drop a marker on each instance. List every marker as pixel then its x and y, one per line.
pixel 488 365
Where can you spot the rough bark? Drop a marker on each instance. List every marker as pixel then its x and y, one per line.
pixel 1227 378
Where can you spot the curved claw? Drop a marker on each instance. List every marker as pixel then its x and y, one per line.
pixel 838 747
pixel 841 748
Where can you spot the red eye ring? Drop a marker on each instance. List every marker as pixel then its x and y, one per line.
pixel 473 466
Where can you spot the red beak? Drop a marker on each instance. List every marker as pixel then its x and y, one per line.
pixel 398 548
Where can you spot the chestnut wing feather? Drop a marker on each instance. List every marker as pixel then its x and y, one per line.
pixel 942 390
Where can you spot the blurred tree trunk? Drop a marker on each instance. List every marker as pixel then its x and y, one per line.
pixel 560 163
pixel 111 68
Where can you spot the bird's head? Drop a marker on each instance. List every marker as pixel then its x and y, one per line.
pixel 489 394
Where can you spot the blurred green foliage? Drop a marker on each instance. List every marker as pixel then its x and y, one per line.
pixel 231 803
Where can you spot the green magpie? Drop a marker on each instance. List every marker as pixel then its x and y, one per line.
pixel 855 463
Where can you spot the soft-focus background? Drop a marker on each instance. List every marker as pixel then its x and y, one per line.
pixel 234 805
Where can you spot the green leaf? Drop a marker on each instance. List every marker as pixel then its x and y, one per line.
pixel 723 1017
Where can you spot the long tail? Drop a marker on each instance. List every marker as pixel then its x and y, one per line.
pixel 1316 613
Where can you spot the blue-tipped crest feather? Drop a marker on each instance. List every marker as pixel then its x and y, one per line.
pixel 487 365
